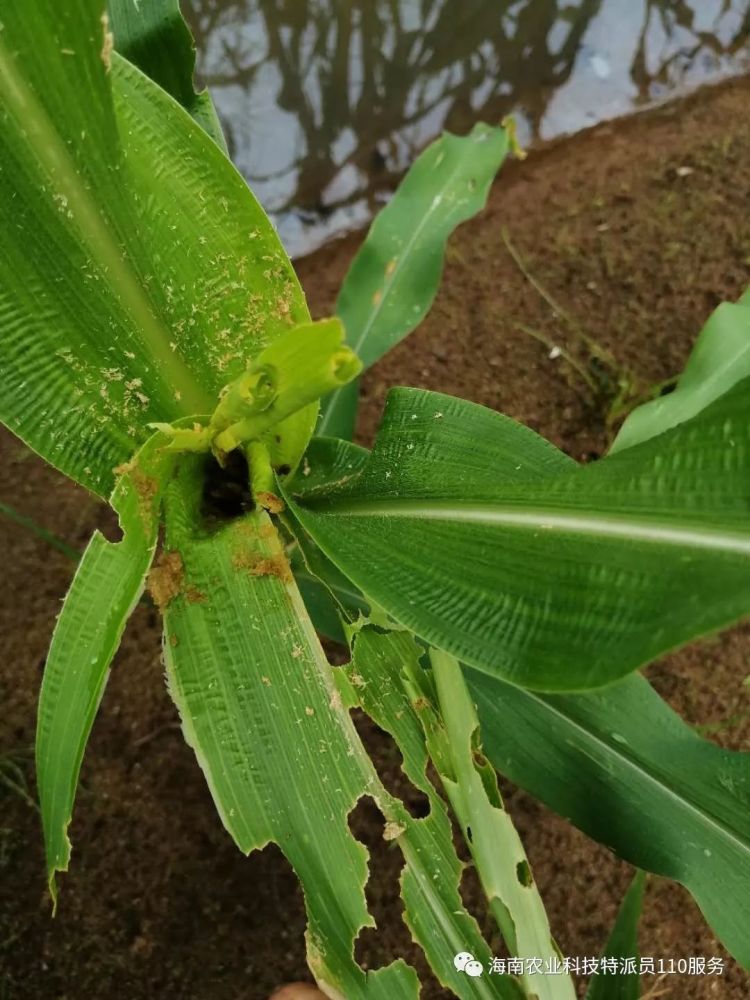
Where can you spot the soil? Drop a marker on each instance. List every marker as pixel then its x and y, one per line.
pixel 637 229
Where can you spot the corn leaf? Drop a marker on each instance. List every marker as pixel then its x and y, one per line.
pixel 621 946
pixel 625 769
pixel 275 741
pixel 720 359
pixel 329 598
pixel 498 853
pixel 395 276
pixel 108 583
pixel 384 680
pixel 155 37
pixel 137 272
pixel 484 540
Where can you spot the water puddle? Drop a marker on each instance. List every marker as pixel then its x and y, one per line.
pixel 326 102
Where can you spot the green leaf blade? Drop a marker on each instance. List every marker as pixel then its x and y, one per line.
pixel 138 275
pixel 719 360
pixel 474 533
pixel 155 37
pixel 328 596
pixel 275 740
pixel 108 583
pixel 382 681
pixel 258 706
pixel 495 845
pixel 644 784
pixel 622 945
pixel 395 276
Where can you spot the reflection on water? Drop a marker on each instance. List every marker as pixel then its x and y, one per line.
pixel 325 101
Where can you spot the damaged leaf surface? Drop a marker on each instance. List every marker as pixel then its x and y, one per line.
pixel 270 729
pixel 107 585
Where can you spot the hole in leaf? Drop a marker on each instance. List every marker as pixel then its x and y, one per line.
pixel 475 903
pixel 379 946
pixel 109 525
pixel 386 756
pixel 337 653
pixel 523 873
pixel 226 490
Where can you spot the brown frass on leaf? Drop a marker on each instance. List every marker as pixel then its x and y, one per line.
pixel 258 565
pixel 270 502
pixel 165 578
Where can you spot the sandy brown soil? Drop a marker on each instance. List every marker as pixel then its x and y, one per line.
pixel 638 250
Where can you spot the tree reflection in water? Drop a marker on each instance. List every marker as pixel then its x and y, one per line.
pixel 325 101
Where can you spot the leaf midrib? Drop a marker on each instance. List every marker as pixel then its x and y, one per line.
pixel 53 158
pixel 403 257
pixel 542 519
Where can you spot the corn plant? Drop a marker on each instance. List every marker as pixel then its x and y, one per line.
pixel 497 598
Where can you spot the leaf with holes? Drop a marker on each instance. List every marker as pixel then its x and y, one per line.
pixel 280 753
pixel 501 862
pixel 384 679
pixel 489 543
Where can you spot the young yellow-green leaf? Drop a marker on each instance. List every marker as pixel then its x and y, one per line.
pixel 487 542
pixel 667 800
pixel 270 730
pixel 395 276
pixel 625 984
pixel 108 583
pixel 138 274
pixel 720 359
pixel 153 35
pixel 297 368
pixel 495 846
pixel 382 681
